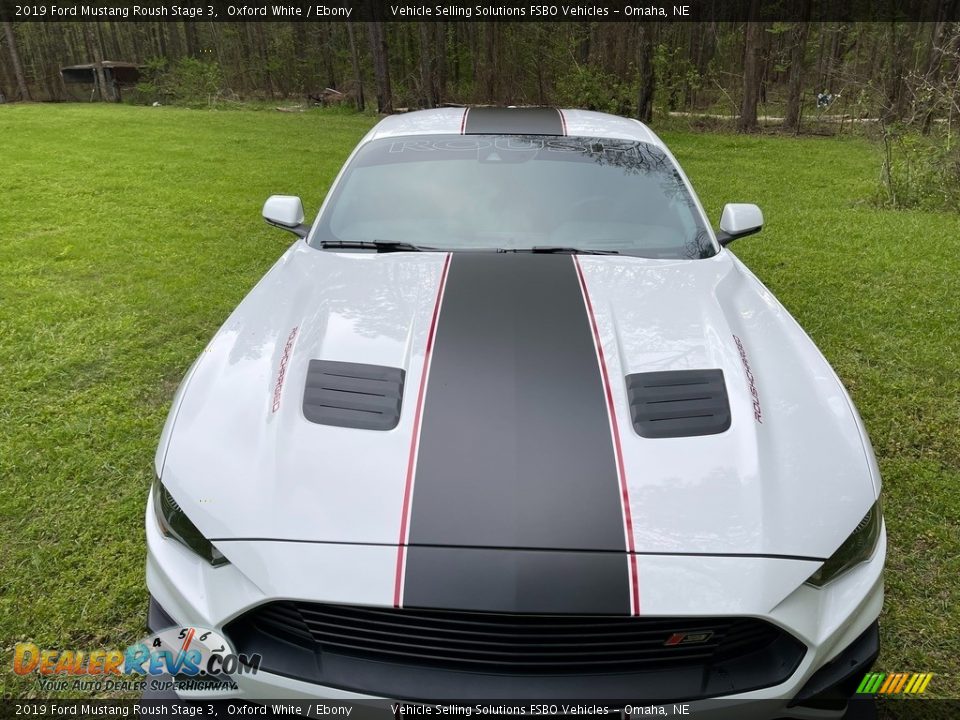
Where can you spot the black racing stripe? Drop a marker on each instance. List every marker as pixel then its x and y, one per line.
pixel 513 121
pixel 515 448
pixel 517 581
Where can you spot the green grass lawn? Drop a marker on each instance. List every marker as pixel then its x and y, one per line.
pixel 128 234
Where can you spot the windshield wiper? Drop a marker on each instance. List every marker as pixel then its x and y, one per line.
pixel 559 249
pixel 378 245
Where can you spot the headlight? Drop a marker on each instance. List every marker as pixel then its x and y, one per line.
pixel 856 549
pixel 175 523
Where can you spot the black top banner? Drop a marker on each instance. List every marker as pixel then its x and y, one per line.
pixel 483 11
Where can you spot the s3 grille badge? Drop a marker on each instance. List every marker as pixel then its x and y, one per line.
pixel 688 638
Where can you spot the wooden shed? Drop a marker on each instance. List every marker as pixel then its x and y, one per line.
pixel 117 74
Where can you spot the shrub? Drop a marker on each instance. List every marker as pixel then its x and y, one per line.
pixel 195 80
pixel 677 78
pixel 590 88
pixel 188 81
pixel 918 172
pixel 152 80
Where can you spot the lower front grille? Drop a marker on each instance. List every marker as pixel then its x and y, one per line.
pixel 368 649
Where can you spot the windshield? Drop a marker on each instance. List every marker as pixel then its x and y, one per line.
pixel 518 193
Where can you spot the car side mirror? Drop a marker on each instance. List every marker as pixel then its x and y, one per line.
pixel 286 213
pixel 739 220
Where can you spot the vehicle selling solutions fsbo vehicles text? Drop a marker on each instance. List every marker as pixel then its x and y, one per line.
pixel 569 12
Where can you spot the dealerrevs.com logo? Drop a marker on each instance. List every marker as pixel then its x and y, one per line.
pixel 187 658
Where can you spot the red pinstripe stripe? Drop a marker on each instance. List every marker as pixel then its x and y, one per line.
pixel 415 440
pixel 463 121
pixel 618 450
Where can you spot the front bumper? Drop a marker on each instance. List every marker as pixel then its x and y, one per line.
pixel 828 621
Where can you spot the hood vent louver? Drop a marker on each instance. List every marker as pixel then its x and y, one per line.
pixel 678 403
pixel 353 395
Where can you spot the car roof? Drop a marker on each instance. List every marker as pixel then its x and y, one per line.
pixel 508 121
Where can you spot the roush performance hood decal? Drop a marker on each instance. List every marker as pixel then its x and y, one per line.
pixel 517 488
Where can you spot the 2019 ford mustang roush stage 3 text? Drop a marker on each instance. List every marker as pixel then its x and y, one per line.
pixel 508 420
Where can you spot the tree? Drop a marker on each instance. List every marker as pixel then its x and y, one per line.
pixel 428 79
pixel 355 62
pixel 901 70
pixel 15 61
pixel 895 91
pixel 791 120
pixel 936 50
pixel 190 33
pixel 440 28
pixel 104 90
pixel 647 76
pixel 381 68
pixel 752 67
pixel 490 52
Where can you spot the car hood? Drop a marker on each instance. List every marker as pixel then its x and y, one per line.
pixel 791 476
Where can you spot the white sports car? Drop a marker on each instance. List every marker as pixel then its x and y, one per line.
pixel 508 421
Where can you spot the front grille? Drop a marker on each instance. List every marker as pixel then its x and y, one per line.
pixel 520 646
pixel 513 643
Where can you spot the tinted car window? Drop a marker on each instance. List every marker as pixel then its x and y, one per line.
pixel 517 192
